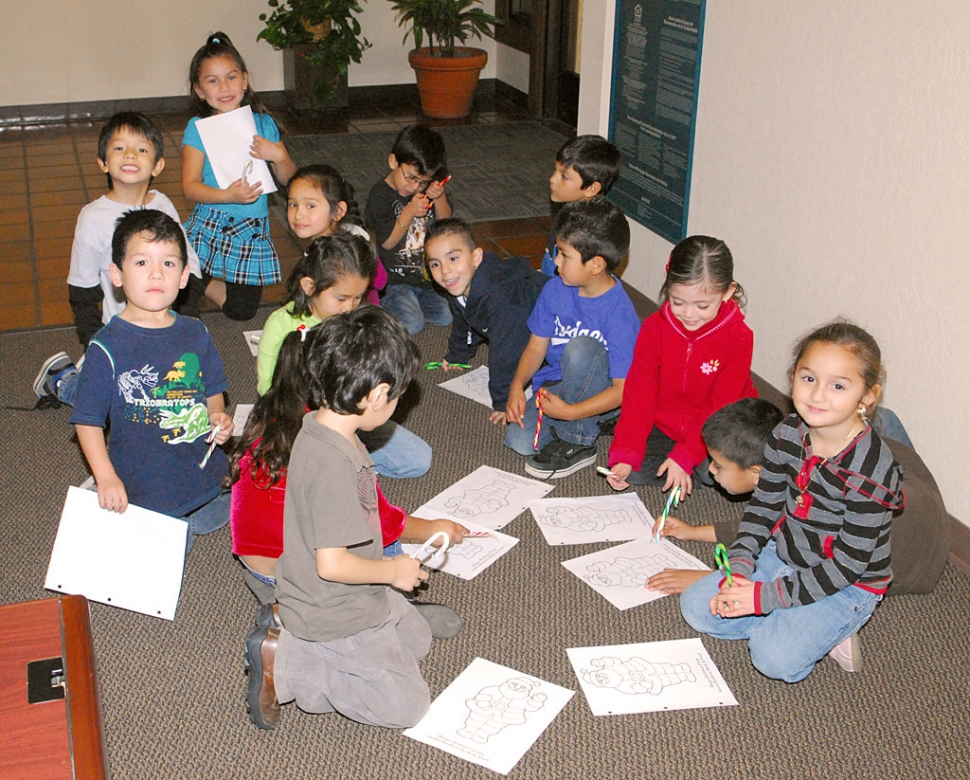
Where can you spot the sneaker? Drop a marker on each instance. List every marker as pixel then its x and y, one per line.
pixel 55 368
pixel 559 459
pixel 261 703
pixel 443 621
pixel 268 616
pixel 848 653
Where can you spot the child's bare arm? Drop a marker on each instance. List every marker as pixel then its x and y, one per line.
pixel 111 490
pixel 532 357
pixel 418 530
pixel 240 191
pixel 216 406
pixel 671 581
pixel 609 399
pixel 678 529
pixel 338 565
pixel 417 207
pixel 275 153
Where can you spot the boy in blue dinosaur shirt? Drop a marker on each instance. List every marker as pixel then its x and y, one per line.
pixel 156 376
pixel 583 330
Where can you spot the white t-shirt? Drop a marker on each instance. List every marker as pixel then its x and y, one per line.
pixel 91 253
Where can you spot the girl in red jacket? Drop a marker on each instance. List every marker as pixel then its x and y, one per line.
pixel 692 357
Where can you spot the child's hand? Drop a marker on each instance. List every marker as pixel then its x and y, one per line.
pixel 620 473
pixel 446 366
pixel 496 418
pixel 271 151
pixel 419 205
pixel 515 407
pixel 435 190
pixel 407 573
pixel 241 191
pixel 671 581
pixel 553 406
pixel 733 601
pixel 456 532
pixel 675 476
pixel 112 495
pixel 675 528
pixel 224 422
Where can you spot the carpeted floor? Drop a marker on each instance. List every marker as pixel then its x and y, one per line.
pixel 172 693
pixel 498 171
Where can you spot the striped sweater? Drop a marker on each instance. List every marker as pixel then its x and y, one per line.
pixel 830 518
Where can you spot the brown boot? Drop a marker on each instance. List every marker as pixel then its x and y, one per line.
pixel 261 703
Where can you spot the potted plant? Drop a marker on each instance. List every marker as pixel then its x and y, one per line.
pixel 447 74
pixel 318 38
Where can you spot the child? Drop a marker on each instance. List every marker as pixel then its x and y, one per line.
pixel 400 207
pixel 349 643
pixel 586 167
pixel 131 154
pixel 818 524
pixel 230 227
pixel 321 202
pixel 583 329
pixel 332 277
pixel 736 437
pixel 491 299
pixel 157 379
pixel 692 357
pixel 258 473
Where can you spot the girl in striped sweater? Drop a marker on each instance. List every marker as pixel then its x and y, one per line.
pixel 811 560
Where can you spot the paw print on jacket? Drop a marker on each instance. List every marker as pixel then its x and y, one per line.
pixel 710 366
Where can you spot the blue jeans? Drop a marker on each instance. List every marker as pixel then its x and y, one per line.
pixel 396 451
pixel 416 306
pixel 787 643
pixel 207 518
pixel 585 368
pixel 66 389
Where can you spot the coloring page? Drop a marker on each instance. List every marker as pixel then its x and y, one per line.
pixel 487 497
pixel 620 573
pixel 490 715
pixel 614 518
pixel 252 340
pixel 649 677
pixel 227 138
pixel 132 560
pixel 240 417
pixel 467 560
pixel 474 385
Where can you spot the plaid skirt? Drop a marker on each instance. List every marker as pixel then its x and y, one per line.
pixel 234 249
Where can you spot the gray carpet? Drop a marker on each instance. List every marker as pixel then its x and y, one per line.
pixel 498 171
pixel 172 693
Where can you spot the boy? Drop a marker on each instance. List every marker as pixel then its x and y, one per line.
pixel 348 642
pixel 583 330
pixel 131 154
pixel 491 299
pixel 156 376
pixel 586 167
pixel 400 207
pixel 736 436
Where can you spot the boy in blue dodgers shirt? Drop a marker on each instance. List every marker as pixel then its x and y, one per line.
pixel 583 329
pixel 491 299
pixel 156 376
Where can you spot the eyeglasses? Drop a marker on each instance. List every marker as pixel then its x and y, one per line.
pixel 422 184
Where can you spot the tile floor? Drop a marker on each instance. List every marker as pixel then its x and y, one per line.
pixel 48 172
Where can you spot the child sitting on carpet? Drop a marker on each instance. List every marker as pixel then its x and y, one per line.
pixel 349 640
pixel 811 559
pixel 332 277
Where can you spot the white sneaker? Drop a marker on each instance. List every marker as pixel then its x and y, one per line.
pixel 848 653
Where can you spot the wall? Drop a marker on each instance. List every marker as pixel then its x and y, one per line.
pixel 65 52
pixel 832 154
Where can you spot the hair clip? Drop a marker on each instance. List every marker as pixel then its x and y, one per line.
pixel 216 39
pixel 302 329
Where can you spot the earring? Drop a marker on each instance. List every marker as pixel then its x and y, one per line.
pixel 863 413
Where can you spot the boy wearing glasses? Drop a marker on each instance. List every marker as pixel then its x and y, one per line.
pixel 400 207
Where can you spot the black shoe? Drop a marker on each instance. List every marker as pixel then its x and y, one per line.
pixel 559 459
pixel 261 703
pixel 268 616
pixel 443 621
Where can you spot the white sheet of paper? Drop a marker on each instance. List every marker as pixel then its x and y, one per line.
pixel 252 340
pixel 474 385
pixel 615 518
pixel 649 677
pixel 470 558
pixel 620 573
pixel 133 560
pixel 227 138
pixel 240 417
pixel 490 715
pixel 488 496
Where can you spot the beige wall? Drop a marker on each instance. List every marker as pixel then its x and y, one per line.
pixel 68 51
pixel 832 154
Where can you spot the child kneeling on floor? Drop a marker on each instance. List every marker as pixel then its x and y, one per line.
pixel 350 641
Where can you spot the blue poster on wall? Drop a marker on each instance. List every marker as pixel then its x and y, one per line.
pixel 653 109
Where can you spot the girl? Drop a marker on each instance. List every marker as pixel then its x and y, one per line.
pixel 692 357
pixel 319 203
pixel 230 227
pixel 818 524
pixel 258 466
pixel 332 277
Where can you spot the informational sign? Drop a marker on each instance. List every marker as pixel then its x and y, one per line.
pixel 653 109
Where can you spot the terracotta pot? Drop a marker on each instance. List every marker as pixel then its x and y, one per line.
pixel 447 84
